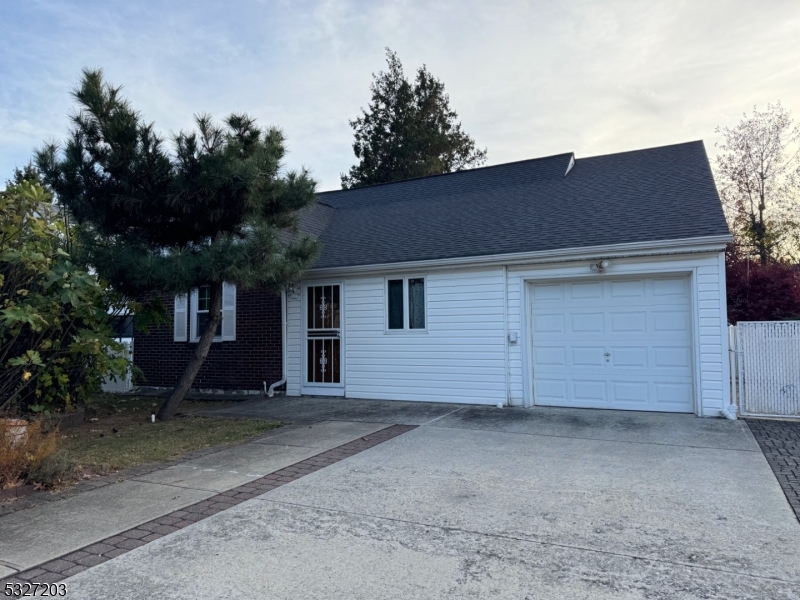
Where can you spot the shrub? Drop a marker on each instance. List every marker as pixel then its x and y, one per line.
pixel 53 470
pixel 20 457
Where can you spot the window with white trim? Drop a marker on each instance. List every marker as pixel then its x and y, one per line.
pixel 196 312
pixel 405 304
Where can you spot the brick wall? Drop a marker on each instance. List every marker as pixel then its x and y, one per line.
pixel 253 358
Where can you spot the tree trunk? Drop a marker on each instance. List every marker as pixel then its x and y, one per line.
pixel 170 406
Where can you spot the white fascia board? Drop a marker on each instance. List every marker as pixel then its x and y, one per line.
pixel 715 243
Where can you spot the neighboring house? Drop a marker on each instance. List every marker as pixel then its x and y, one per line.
pixel 595 282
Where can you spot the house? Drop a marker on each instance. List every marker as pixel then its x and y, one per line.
pixel 560 281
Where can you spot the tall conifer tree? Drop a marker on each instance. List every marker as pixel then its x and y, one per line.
pixel 154 219
pixel 408 130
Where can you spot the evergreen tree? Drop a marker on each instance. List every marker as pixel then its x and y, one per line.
pixel 153 221
pixel 409 130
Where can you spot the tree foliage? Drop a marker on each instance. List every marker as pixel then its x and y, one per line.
pixel 409 130
pixel 757 173
pixel 56 341
pixel 168 218
pixel 758 292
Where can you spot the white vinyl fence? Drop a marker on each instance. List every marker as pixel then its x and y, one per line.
pixel 119 386
pixel 765 368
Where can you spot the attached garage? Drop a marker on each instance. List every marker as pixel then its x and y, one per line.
pixel 621 343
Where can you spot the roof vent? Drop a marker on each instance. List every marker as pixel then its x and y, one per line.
pixel 571 164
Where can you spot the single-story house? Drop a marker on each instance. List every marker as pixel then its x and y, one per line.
pixel 560 281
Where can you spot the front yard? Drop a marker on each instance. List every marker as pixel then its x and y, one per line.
pixel 118 433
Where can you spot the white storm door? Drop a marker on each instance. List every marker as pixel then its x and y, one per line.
pixel 323 351
pixel 620 344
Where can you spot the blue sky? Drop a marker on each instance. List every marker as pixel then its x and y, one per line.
pixel 527 78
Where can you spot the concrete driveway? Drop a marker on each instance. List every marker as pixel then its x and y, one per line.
pixel 491 503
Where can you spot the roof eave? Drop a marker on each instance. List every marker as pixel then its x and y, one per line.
pixel 714 243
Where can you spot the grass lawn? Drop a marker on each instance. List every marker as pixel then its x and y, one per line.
pixel 121 435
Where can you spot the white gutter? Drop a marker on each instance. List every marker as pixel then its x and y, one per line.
pixel 714 243
pixel 284 327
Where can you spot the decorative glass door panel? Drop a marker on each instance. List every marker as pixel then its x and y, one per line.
pixel 323 329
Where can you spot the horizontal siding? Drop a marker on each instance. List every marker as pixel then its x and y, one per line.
pixel 459 358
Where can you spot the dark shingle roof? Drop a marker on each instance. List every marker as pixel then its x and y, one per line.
pixel 646 195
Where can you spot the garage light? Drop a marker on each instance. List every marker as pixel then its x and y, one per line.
pixel 599 267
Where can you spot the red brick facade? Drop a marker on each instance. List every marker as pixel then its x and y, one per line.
pixel 245 364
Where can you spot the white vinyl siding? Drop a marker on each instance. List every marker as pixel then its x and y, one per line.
pixel 461 355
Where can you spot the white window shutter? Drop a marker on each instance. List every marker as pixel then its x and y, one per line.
pixel 228 312
pixel 179 327
pixel 193 319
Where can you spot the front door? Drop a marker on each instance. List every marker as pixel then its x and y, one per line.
pixel 323 339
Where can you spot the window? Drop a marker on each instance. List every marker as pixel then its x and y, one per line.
pixel 405 303
pixel 201 314
pixel 195 309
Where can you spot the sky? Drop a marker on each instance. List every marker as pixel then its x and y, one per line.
pixel 527 78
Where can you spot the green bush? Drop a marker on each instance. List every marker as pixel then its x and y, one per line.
pixel 56 340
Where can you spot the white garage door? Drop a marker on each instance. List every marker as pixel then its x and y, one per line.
pixel 622 344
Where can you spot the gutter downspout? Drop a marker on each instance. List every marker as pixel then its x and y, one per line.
pixel 506 334
pixel 284 327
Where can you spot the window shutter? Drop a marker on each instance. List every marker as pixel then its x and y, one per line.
pixel 228 312
pixel 179 327
pixel 193 319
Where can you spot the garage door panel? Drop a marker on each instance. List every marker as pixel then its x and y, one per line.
pixel 673 394
pixel 550 356
pixel 628 289
pixel 671 287
pixel 552 390
pixel 630 392
pixel 628 322
pixel 587 323
pixel 610 343
pixel 586 291
pixel 553 323
pixel 665 357
pixel 590 391
pixel 671 322
pixel 629 357
pixel 588 356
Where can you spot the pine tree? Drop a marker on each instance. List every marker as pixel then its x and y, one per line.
pixel 153 221
pixel 409 130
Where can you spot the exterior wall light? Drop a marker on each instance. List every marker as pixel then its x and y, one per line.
pixel 599 267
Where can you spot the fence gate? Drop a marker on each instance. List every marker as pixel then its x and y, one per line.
pixel 765 368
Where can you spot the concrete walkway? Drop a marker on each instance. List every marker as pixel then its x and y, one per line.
pixel 488 503
pixel 39 534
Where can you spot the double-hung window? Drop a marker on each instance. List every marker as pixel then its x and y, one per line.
pixel 405 304
pixel 195 309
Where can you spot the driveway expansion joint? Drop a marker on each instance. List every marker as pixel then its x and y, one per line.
pixel 96 553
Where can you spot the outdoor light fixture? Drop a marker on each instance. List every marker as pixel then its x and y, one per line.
pixel 290 289
pixel 599 267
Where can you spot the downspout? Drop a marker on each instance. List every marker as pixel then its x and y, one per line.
pixel 506 334
pixel 284 327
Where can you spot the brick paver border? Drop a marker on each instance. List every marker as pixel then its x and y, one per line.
pixel 95 554
pixel 780 443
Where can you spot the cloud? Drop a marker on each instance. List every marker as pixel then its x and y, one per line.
pixel 527 78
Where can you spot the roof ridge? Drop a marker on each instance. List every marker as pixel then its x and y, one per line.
pixel 461 171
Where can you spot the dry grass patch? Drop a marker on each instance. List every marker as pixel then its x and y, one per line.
pixel 120 433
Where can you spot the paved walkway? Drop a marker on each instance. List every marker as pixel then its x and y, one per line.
pixel 780 442
pixel 33 537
